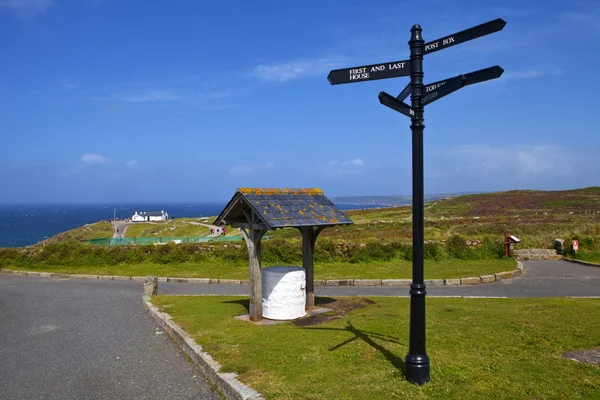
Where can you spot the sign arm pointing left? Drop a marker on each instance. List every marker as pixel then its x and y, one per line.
pixel 392 69
pixel 396 105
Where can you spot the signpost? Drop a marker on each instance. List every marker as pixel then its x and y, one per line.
pixel 417 368
pixel 393 69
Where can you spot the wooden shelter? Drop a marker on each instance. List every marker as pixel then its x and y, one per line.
pixel 257 211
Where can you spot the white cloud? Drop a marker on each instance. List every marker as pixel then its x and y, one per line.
pixel 485 167
pixel 519 161
pixel 294 69
pixel 133 164
pixel 357 162
pixel 146 96
pixel 174 95
pixel 27 8
pixel 250 169
pixel 530 74
pixel 90 160
pixel 336 169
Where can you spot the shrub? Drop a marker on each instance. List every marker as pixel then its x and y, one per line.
pixel 457 247
pixel 433 251
pixel 280 251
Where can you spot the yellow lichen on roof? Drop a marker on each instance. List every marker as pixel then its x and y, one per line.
pixel 275 191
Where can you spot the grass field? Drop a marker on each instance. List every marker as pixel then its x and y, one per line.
pixel 536 217
pixel 102 229
pixel 173 228
pixel 479 348
pixel 219 269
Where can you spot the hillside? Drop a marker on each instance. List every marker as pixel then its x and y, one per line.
pixel 537 217
pixel 172 228
pixel 394 200
pixel 100 229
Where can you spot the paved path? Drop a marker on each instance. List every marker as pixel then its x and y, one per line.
pixel 214 228
pixel 120 227
pixel 70 339
pixel 541 279
pixel 91 339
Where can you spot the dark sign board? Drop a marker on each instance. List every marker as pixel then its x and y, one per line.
pixel 405 92
pixel 472 77
pixel 442 90
pixel 392 69
pixel 395 104
pixel 464 36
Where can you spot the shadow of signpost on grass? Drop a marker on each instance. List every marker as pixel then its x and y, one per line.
pixel 366 336
pixel 395 360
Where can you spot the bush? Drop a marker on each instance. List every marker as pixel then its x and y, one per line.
pixel 280 251
pixel 457 247
pixel 433 251
pixel 493 248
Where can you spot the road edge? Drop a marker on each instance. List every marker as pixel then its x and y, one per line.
pixel 227 383
pixel 589 264
pixel 473 280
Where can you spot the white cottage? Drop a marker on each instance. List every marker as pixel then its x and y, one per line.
pixel 150 216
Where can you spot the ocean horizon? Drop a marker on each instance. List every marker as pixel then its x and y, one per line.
pixel 26 224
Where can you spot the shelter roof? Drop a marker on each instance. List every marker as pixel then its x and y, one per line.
pixel 282 208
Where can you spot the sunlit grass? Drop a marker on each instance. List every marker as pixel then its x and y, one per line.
pixel 479 349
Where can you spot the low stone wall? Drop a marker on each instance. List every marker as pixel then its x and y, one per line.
pixel 536 254
pixel 318 282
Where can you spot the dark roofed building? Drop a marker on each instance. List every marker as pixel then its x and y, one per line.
pixel 283 208
pixel 150 216
pixel 255 211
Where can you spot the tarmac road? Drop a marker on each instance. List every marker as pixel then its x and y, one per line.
pixel 91 339
pixel 68 339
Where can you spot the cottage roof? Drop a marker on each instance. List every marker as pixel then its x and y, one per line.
pixel 152 214
pixel 281 208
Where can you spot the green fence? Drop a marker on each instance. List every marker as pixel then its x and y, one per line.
pixel 163 240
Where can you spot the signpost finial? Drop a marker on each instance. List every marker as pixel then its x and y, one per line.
pixel 416 32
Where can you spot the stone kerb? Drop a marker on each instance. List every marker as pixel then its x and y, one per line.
pixel 589 264
pixel 318 282
pixel 227 383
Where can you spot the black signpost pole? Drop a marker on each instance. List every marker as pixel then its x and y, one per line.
pixel 417 361
pixel 417 367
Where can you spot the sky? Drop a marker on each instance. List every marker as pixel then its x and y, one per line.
pixel 136 100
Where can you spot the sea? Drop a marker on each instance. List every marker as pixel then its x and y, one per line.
pixel 24 225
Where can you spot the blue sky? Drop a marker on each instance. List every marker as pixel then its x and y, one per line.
pixel 106 100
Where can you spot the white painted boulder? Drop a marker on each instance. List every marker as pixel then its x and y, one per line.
pixel 283 292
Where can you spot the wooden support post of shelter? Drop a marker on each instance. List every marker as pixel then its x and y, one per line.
pixel 257 211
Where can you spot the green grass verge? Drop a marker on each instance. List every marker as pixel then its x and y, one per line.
pixel 479 349
pixel 218 269
pixel 172 228
pixel 102 229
